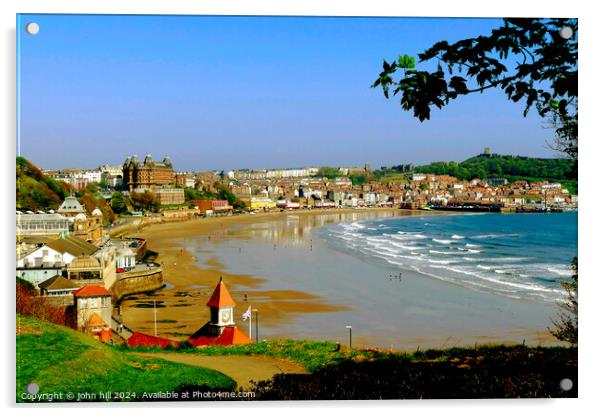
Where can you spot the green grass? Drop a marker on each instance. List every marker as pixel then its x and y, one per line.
pixel 310 354
pixel 59 359
pixel 313 355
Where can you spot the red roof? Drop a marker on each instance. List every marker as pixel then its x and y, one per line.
pixel 231 335
pixel 138 339
pixel 221 297
pixel 91 291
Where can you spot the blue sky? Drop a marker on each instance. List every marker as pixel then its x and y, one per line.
pixel 246 92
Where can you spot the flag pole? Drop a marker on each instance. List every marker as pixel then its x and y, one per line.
pixel 250 324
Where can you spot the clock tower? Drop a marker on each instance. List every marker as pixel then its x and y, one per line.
pixel 220 330
pixel 221 307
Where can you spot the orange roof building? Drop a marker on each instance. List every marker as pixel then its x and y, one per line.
pixel 92 303
pixel 231 335
pixel 221 297
pixel 98 328
pixel 220 330
pixel 91 291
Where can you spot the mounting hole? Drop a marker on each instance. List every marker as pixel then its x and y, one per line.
pixel 32 28
pixel 566 32
pixel 33 388
pixel 566 384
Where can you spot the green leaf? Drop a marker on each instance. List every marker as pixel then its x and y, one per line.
pixel 406 62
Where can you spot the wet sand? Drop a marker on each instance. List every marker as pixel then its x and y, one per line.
pixel 181 306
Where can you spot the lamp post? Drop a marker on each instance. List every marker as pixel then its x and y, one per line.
pixel 155 315
pixel 256 325
pixel 350 328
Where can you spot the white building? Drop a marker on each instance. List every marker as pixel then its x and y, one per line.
pixel 108 170
pixel 342 181
pixel 125 258
pixel 551 186
pixel 56 256
pixel 41 225
pixel 92 301
pixel 41 264
pixel 92 176
pixel 370 199
pixel 50 259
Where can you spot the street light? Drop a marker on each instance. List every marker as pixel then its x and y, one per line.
pixel 256 325
pixel 349 327
pixel 155 315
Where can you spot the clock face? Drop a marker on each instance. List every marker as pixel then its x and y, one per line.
pixel 225 316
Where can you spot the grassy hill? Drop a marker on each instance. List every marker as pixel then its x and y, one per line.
pixel 60 359
pixel 36 191
pixel 511 167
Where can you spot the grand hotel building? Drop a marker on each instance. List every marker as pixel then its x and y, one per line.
pixel 147 174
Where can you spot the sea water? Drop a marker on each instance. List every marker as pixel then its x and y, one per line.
pixel 464 278
pixel 514 255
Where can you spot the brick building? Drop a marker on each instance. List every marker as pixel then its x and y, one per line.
pixel 216 207
pixel 185 180
pixel 170 196
pixel 147 174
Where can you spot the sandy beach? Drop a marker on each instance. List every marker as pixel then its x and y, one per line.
pixel 193 254
pixel 181 305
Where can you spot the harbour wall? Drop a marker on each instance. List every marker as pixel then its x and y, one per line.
pixel 129 283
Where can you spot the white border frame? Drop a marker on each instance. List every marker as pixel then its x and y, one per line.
pixel 589 223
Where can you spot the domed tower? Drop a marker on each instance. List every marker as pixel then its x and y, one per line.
pixel 80 222
pixel 97 216
pixel 71 207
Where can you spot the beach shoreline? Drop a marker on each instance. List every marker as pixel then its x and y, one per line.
pixel 181 272
pixel 181 306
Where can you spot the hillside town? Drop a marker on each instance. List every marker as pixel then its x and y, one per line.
pixel 298 188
